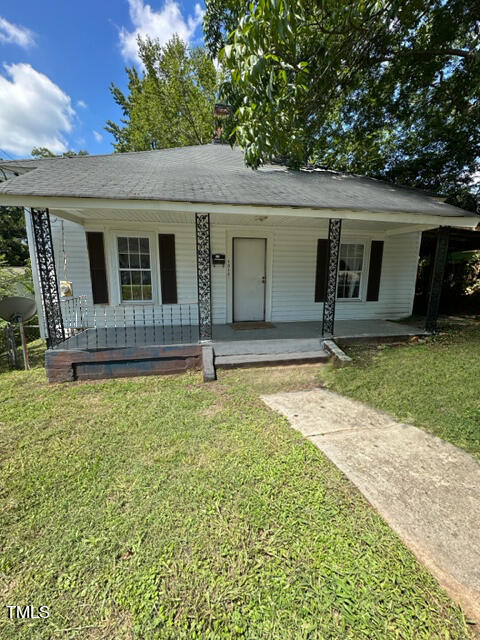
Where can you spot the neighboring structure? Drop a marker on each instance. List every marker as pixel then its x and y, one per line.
pixel 166 249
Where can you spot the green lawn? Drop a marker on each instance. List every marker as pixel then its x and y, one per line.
pixel 164 508
pixel 435 385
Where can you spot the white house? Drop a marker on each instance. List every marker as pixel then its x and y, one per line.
pixel 170 250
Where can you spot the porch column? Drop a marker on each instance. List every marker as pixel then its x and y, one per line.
pixel 47 275
pixel 204 284
pixel 438 270
pixel 334 234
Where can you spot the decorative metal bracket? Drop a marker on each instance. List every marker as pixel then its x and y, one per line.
pixel 204 280
pixel 438 271
pixel 47 274
pixel 334 234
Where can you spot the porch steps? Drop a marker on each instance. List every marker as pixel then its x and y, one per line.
pixel 270 359
pixel 264 353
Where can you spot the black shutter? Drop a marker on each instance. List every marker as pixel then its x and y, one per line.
pixel 322 267
pixel 98 271
pixel 375 270
pixel 168 271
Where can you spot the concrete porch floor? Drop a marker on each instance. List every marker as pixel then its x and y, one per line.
pixel 283 337
pixel 288 337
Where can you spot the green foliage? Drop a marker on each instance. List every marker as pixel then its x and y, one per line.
pixel 388 89
pixel 166 509
pixel 43 152
pixel 13 236
pixel 15 281
pixel 171 104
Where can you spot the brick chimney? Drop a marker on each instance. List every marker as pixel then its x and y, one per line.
pixel 220 112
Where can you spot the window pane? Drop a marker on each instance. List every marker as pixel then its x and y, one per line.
pixel 134 261
pixel 135 277
pixel 146 277
pixel 122 245
pixel 144 245
pixel 125 277
pixel 123 260
pixel 137 292
pixel 354 264
pixel 126 292
pixel 147 292
pixel 353 285
pixel 133 245
pixel 145 261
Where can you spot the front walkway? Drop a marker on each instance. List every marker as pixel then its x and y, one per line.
pixel 427 490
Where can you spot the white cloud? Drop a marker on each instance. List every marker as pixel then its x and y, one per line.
pixel 82 104
pixel 98 136
pixel 34 111
pixel 13 34
pixel 157 24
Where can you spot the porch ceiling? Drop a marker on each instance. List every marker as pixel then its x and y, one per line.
pixel 124 217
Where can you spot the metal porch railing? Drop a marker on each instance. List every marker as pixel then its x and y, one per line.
pixel 130 325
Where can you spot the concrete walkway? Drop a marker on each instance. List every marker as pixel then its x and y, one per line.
pixel 426 489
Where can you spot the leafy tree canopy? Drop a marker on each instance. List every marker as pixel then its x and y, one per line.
pixel 43 152
pixel 171 104
pixel 388 88
pixel 13 237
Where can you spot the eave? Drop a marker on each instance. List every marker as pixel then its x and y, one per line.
pixel 60 202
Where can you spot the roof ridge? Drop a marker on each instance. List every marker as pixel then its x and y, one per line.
pixel 109 155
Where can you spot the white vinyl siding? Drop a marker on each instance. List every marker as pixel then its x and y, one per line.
pixel 294 279
pixel 77 268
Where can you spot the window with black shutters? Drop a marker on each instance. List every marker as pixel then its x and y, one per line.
pixel 98 270
pixel 134 264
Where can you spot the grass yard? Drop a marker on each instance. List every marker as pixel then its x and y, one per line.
pixel 435 385
pixel 164 508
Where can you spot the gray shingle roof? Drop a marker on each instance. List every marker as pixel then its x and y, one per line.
pixel 212 174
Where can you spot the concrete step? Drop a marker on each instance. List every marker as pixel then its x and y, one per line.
pixel 233 361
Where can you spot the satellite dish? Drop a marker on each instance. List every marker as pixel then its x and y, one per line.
pixel 18 309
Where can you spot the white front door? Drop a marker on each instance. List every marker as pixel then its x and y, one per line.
pixel 249 279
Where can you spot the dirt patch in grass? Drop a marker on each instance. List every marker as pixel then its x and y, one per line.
pixel 273 379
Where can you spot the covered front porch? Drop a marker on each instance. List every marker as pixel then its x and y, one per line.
pixel 121 338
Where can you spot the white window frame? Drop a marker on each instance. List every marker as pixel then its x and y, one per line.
pixel 360 296
pixel 154 269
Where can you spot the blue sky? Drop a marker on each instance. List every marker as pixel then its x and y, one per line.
pixel 57 60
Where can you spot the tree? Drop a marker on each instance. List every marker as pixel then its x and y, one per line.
pixel 43 152
pixel 13 237
pixel 171 104
pixel 385 88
